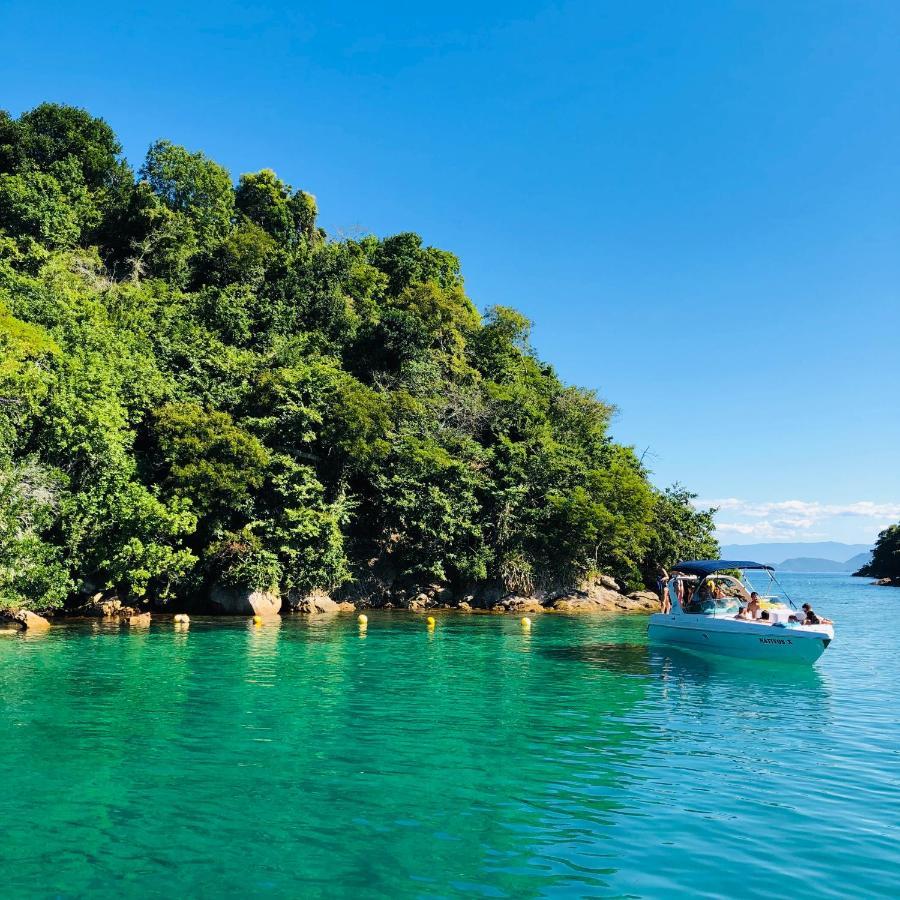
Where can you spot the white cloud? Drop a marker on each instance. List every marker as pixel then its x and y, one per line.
pixel 775 531
pixel 805 510
pixel 798 519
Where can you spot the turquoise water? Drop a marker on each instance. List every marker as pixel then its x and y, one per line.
pixel 480 761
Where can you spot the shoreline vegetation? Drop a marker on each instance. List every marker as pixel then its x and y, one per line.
pixel 884 566
pixel 207 402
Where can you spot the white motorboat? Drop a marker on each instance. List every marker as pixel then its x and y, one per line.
pixel 708 611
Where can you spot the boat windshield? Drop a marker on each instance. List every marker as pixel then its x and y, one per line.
pixel 725 592
pixel 716 595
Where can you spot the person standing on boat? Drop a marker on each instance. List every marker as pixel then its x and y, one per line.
pixel 662 580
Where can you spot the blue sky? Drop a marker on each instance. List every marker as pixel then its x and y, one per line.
pixel 697 203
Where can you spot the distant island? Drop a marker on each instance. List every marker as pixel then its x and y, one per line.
pixel 800 556
pixel 814 564
pixel 203 395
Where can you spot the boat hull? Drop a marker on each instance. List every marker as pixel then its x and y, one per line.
pixel 747 640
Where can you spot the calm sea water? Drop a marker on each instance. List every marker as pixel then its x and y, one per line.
pixel 480 761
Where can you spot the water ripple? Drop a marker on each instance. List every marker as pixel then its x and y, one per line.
pixel 296 759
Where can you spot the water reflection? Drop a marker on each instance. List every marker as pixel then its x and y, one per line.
pixel 625 659
pixel 475 761
pixel 755 677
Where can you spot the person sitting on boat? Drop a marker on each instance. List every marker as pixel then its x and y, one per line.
pixel 812 619
pixel 753 609
pixel 742 613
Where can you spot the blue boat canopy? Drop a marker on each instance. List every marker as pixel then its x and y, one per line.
pixel 708 566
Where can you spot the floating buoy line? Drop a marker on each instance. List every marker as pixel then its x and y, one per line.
pixel 182 622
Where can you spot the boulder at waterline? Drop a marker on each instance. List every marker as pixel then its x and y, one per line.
pixel 28 621
pixel 578 605
pixel 600 599
pixel 648 600
pixel 314 603
pixel 101 606
pixel 517 604
pixel 420 601
pixel 245 601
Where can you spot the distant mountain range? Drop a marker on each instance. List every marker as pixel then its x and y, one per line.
pixel 821 556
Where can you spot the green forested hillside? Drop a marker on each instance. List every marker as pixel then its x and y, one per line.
pixel 885 562
pixel 197 385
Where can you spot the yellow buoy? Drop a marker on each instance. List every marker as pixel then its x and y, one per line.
pixel 526 622
pixel 430 621
pixel 182 619
pixel 363 620
pixel 257 620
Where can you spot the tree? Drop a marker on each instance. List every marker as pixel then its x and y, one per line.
pixel 266 200
pixel 192 184
pixel 53 133
pixel 32 573
pixel 679 531
pixel 207 459
pixel 885 562
pixel 38 206
pixel 26 353
pixel 198 387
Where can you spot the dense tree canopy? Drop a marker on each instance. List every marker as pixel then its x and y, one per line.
pixel 197 386
pixel 885 561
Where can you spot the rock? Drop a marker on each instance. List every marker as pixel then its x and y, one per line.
pixel 414 604
pixel 518 604
pixel 102 607
pixel 575 605
pixel 464 605
pixel 887 582
pixel 600 599
pixel 598 581
pixel 142 620
pixel 315 603
pixel 605 598
pixel 346 606
pixel 648 600
pixel 29 621
pixel 245 602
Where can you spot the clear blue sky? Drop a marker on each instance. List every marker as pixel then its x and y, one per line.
pixel 697 203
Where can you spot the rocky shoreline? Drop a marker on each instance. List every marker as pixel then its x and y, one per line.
pixel 601 594
pixel 887 582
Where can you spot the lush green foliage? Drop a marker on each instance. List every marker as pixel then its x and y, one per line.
pixel 885 561
pixel 197 385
